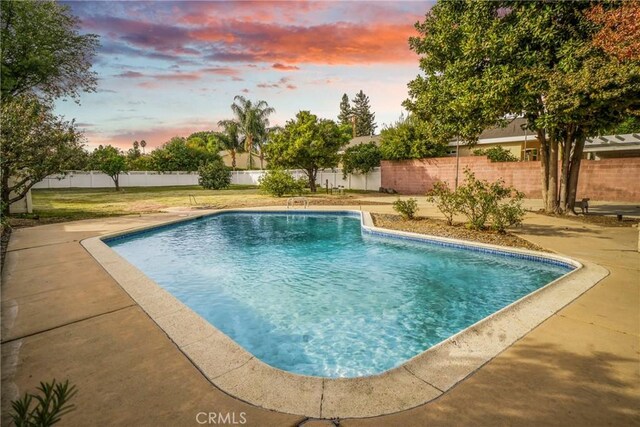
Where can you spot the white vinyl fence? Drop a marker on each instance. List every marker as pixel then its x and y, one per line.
pixel 84 179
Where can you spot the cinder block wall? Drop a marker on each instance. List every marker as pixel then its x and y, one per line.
pixel 606 179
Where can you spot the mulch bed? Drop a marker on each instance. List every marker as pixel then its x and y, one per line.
pixel 436 227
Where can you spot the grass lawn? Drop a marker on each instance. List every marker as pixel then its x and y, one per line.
pixel 69 204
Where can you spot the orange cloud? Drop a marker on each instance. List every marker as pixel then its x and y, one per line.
pixel 283 67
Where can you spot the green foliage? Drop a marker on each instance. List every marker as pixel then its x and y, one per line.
pixel 361 158
pixel 406 139
pixel 482 61
pixel 180 155
pixel 253 121
pixel 110 161
pixel 496 154
pixel 214 175
pixel 479 200
pixel 446 201
pixel 406 208
pixel 229 139
pixel 34 143
pixel 278 182
pixel 630 124
pixel 52 403
pixel 142 163
pixel 307 143
pixel 344 118
pixel 508 214
pixel 42 51
pixel 365 119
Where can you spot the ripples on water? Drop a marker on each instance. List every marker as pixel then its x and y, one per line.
pixel 312 295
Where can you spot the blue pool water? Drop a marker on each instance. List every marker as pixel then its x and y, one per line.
pixel 313 294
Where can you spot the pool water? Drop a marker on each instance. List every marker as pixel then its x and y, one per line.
pixel 313 294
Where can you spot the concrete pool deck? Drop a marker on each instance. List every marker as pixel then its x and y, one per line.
pixel 64 317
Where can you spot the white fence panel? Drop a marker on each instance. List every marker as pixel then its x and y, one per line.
pixel 82 179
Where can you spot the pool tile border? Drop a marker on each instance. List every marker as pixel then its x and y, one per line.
pixel 419 380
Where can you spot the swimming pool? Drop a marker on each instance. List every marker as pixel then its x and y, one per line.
pixel 315 294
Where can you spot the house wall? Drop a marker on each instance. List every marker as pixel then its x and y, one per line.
pixel 515 147
pixel 607 179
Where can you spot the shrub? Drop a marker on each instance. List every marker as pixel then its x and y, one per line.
pixel 52 404
pixel 214 175
pixel 496 154
pixel 406 208
pixel 446 200
pixel 480 200
pixel 278 182
pixel 508 214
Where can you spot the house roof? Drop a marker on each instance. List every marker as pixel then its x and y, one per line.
pixel 363 140
pixel 514 128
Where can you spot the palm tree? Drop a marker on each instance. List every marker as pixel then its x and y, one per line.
pixel 253 122
pixel 230 139
pixel 143 144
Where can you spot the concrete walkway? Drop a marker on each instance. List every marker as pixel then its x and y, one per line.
pixel 64 317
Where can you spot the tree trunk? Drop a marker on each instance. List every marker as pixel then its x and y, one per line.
pixel 552 187
pixel 233 159
pixel 544 165
pixel 6 191
pixel 249 146
pixel 311 173
pixel 567 143
pixel 261 160
pixel 116 181
pixel 574 171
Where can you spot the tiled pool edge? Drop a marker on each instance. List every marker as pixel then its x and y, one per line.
pixel 419 380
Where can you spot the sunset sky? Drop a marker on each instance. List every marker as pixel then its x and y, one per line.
pixel 172 68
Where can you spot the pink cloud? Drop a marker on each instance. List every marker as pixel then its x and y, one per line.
pixel 283 67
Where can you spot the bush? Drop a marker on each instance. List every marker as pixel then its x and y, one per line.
pixel 508 214
pixel 445 199
pixel 406 208
pixel 496 154
pixel 214 175
pixel 278 182
pixel 480 200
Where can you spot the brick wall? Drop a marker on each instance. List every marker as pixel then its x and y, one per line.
pixel 607 179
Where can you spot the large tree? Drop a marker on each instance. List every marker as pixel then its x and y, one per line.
pixel 110 161
pixel 179 155
pixel 229 139
pixel 307 143
pixel 344 118
pixel 42 51
pixel 34 143
pixel 486 61
pixel 365 120
pixel 253 122
pixel 407 139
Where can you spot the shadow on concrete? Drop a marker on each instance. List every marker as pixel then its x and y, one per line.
pixel 536 385
pixel 614 209
pixel 559 231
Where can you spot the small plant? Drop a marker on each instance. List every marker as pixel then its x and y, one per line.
pixel 406 208
pixel 446 200
pixel 214 175
pixel 496 154
pixel 52 404
pixel 278 182
pixel 508 214
pixel 479 200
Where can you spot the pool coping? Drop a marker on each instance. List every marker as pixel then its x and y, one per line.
pixel 419 380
